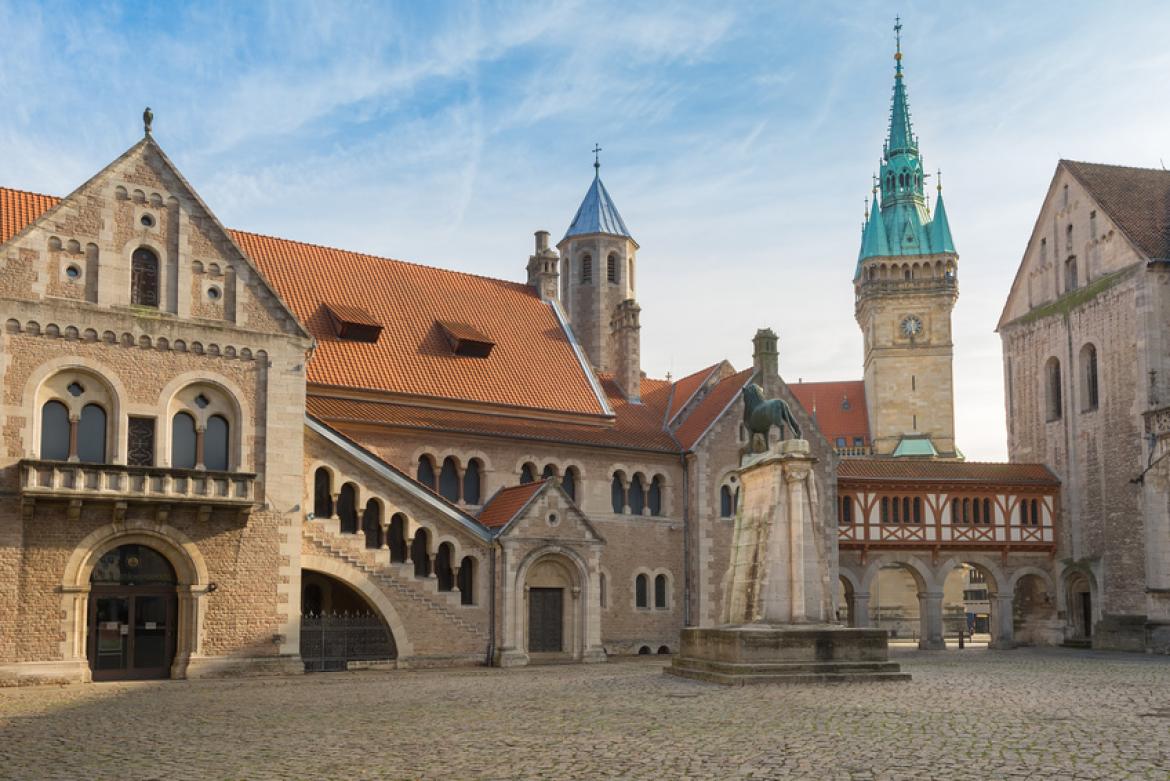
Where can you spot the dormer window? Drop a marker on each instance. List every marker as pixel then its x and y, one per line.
pixel 466 340
pixel 353 324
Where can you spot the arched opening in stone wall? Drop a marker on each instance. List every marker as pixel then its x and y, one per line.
pixel 552 590
pixel 894 602
pixel 339 626
pixel 1034 612
pixel 1079 599
pixel 133 614
pixel 845 610
pixel 968 597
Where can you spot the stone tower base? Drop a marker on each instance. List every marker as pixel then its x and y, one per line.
pixel 770 653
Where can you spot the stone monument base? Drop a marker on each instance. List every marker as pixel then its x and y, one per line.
pixel 736 655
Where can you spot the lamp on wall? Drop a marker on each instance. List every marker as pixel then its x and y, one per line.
pixel 212 587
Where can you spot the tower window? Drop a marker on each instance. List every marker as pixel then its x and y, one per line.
pixel 611 268
pixel 587 270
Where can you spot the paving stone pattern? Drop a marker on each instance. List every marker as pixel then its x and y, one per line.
pixel 1027 714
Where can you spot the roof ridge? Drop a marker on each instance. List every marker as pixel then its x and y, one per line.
pixel 31 192
pixel 1115 165
pixel 385 259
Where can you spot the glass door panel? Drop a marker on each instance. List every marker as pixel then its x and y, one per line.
pixel 151 621
pixel 112 633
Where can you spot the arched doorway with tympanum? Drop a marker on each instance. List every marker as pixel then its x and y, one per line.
pixel 133 614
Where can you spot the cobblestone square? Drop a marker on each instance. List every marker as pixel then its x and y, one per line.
pixel 1031 714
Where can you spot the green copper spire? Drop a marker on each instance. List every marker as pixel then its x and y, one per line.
pixel 908 227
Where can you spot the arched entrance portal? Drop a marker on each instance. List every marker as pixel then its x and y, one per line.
pixel 339 627
pixel 553 596
pixel 1079 598
pixel 132 621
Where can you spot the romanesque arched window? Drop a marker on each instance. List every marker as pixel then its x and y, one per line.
pixel 54 431
pixel 216 443
pixel 654 495
pixel 426 471
pixel 473 481
pixel 144 278
pixel 444 572
pixel 449 480
pixel 569 482
pixel 660 592
pixel 347 508
pixel 397 534
pixel 183 441
pixel 611 268
pixel 587 270
pixel 1089 396
pixel 527 474
pixel 617 493
pixel 420 553
pixel 1055 402
pixel 322 493
pixel 467 581
pixel 550 470
pixel 725 509
pixel 642 591
pixel 372 524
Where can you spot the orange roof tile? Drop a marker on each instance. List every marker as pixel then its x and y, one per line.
pixel 19 208
pixel 506 502
pixel 711 407
pixel 837 407
pixel 686 388
pixel 898 469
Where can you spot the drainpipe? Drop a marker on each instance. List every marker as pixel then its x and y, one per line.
pixel 686 508
pixel 491 648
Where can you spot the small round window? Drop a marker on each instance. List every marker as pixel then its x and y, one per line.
pixel 73 272
pixel 147 220
pixel 553 520
pixel 202 401
pixel 214 293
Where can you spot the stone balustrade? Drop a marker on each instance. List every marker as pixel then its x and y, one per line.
pixel 120 484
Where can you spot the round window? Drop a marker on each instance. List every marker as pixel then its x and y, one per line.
pixel 213 293
pixel 73 271
pixel 147 220
pixel 553 520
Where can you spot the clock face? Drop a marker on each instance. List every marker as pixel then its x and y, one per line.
pixel 911 326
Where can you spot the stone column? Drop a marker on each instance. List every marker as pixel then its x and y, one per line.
pixel 1002 627
pixel 860 609
pixel 930 620
pixel 794 475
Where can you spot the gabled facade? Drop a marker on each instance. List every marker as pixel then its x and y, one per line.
pixel 1087 378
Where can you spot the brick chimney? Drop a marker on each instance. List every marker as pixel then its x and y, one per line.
pixel 627 345
pixel 766 360
pixel 542 268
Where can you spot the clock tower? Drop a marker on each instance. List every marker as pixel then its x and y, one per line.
pixel 905 287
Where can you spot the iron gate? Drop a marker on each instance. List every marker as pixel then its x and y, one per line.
pixel 330 641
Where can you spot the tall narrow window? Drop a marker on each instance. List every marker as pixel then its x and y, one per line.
pixel 322 493
pixel 527 474
pixel 140 442
pixel 467 581
pixel 347 508
pixel 54 431
pixel 183 441
pixel 144 278
pixel 569 482
pixel 372 524
pixel 472 481
pixel 917 509
pixel 1043 252
pixel 617 493
pixel 885 509
pixel 587 270
pixel 449 480
pixel 601 589
pixel 1070 273
pixel 725 502
pixel 1055 402
pixel 1089 377
pixel 642 591
pixel 611 267
pixel 215 443
pixel 1068 237
pixel 637 495
pixel 91 435
pixel 654 497
pixel 660 591
pixel 426 471
pixel 845 514
pixel 1093 224
pixel 397 541
pixel 1064 199
pixel 444 571
pixel 420 553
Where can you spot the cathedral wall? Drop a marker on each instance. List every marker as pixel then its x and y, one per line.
pixel 1095 452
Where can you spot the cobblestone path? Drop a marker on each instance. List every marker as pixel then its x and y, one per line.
pixel 1052 714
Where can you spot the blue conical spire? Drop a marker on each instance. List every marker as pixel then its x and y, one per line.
pixel 901 137
pixel 940 229
pixel 597 212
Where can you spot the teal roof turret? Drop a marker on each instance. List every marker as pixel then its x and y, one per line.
pixel 909 229
pixel 940 229
pixel 597 212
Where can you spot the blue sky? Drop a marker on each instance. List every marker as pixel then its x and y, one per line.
pixel 738 139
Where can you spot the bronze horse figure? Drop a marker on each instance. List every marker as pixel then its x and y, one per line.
pixel 759 415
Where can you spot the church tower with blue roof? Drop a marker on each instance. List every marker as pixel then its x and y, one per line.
pixel 906 285
pixel 598 273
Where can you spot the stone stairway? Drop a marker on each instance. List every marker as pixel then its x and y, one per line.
pixel 396 579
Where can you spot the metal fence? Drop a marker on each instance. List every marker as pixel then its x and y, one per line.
pixel 330 641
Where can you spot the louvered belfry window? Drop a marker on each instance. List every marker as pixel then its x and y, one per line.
pixel 144 278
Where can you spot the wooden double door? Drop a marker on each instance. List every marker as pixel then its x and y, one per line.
pixel 546 620
pixel 131 632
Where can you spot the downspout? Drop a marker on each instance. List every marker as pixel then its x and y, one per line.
pixel 686 508
pixel 491 647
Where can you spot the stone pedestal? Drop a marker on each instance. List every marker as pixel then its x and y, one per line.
pixel 777 592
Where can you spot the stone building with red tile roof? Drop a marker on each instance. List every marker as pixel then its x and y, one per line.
pixel 222 440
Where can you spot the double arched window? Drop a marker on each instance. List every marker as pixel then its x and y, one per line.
pixel 75 418
pixel 659 599
pixel 201 429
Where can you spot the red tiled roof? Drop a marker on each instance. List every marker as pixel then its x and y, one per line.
pixel 19 208
pixel 506 502
pixel 712 405
pixel 898 469
pixel 825 402
pixel 352 314
pixel 533 363
pixel 1137 199
pixel 686 388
